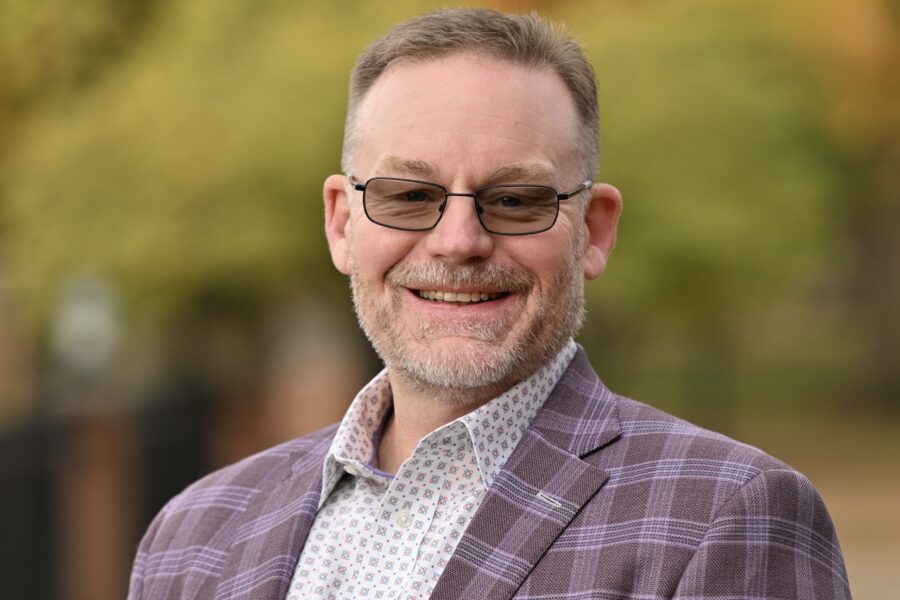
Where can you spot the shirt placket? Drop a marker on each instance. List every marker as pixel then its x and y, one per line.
pixel 409 506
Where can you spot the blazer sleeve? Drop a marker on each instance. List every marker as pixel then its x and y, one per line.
pixel 771 539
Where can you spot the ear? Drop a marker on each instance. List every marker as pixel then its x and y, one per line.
pixel 601 218
pixel 337 220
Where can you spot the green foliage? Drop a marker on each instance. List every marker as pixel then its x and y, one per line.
pixel 195 164
pixel 50 47
pixel 727 176
pixel 713 132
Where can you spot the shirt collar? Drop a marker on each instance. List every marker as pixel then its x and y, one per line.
pixel 356 439
pixel 495 428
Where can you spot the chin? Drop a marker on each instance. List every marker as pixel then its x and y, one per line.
pixel 432 364
pixel 458 363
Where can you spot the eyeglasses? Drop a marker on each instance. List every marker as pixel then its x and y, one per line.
pixel 413 205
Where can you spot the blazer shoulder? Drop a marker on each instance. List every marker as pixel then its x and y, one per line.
pixel 263 469
pixel 184 550
pixel 655 435
pixel 586 418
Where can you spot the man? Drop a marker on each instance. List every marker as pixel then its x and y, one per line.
pixel 487 460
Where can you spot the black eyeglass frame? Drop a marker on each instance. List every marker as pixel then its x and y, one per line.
pixel 361 187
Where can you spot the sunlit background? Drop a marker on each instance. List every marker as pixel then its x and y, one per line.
pixel 167 304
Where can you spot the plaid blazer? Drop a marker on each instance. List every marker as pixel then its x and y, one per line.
pixel 603 498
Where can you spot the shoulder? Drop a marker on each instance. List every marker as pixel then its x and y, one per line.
pixel 185 547
pixel 732 511
pixel 651 434
pixel 740 494
pixel 661 458
pixel 655 458
pixel 716 511
pixel 621 434
pixel 218 500
pixel 261 470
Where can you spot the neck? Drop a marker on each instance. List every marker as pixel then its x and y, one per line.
pixel 419 410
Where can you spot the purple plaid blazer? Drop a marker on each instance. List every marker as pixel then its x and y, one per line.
pixel 603 498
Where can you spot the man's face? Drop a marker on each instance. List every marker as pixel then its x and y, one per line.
pixel 464 122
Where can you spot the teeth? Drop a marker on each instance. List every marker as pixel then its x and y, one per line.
pixel 462 297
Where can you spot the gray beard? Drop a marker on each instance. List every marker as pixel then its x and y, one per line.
pixel 493 363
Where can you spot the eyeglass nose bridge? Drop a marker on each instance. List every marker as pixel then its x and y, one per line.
pixel 479 210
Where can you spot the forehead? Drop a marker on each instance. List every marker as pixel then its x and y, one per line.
pixel 466 116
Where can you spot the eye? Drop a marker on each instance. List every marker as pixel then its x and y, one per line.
pixel 507 201
pixel 415 196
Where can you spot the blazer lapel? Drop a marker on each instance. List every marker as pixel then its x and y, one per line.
pixel 537 493
pixel 271 535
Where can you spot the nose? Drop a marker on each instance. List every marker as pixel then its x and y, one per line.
pixel 459 236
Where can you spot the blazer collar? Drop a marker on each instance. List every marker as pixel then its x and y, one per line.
pixel 579 415
pixel 543 485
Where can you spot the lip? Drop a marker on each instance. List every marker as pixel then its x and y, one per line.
pixel 487 309
pixel 466 289
pixel 460 297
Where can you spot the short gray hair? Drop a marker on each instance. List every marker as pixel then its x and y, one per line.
pixel 527 40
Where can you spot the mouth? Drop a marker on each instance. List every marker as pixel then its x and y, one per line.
pixel 474 297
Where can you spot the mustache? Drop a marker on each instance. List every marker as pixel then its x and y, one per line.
pixel 426 275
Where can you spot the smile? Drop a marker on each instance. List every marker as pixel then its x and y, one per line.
pixel 460 297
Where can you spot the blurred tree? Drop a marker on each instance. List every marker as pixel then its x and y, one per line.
pixel 185 171
pixel 50 52
pixel 49 49
pixel 854 51
pixel 729 188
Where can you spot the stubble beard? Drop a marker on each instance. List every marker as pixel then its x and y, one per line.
pixel 495 355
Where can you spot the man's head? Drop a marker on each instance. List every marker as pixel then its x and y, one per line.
pixel 524 40
pixel 456 307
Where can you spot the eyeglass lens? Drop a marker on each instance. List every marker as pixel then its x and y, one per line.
pixel 501 209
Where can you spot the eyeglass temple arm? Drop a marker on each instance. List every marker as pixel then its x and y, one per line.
pixel 584 185
pixel 359 187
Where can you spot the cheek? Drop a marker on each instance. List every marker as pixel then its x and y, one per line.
pixel 546 257
pixel 377 249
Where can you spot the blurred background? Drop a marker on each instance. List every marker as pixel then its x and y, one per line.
pixel 167 304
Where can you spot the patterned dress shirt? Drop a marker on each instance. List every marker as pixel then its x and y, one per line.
pixel 378 535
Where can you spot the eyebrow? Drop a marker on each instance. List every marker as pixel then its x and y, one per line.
pixel 522 173
pixel 512 173
pixel 405 166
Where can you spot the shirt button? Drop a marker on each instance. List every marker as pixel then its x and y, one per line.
pixel 403 519
pixel 351 470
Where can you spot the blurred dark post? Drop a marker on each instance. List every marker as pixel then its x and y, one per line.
pixel 96 489
pixel 27 486
pixel 95 462
pixel 26 466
